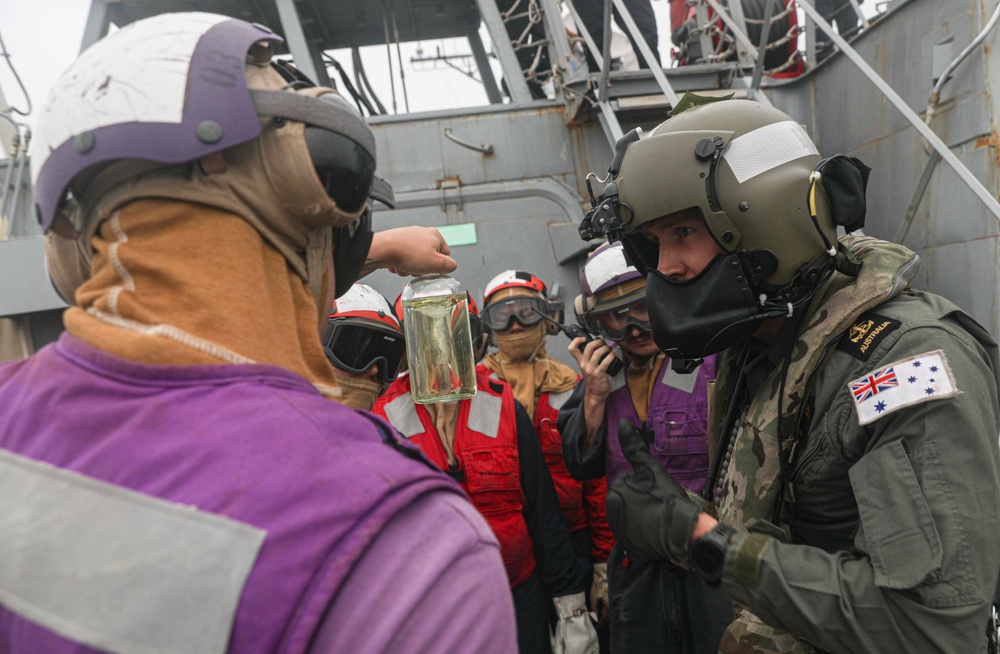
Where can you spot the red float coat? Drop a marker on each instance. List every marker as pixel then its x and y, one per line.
pixel 488 464
pixel 582 502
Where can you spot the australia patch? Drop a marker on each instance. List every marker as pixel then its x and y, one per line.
pixel 901 384
pixel 865 334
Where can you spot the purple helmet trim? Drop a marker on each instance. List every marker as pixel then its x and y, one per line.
pixel 216 75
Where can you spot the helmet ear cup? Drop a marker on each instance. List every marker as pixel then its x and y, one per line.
pixel 482 344
pixel 557 312
pixel 845 181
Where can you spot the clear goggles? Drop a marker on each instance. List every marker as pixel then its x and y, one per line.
pixel 355 348
pixel 615 324
pixel 527 311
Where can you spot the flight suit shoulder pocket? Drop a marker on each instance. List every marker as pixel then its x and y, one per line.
pixel 902 539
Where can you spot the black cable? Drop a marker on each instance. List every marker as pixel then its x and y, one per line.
pixel 726 433
pixel 359 69
pixel 359 99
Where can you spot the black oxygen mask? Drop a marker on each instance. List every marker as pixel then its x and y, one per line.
pixel 706 314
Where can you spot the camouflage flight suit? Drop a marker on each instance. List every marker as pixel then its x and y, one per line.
pixel 871 538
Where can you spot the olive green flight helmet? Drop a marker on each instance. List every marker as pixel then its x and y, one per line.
pixel 746 167
pixel 755 177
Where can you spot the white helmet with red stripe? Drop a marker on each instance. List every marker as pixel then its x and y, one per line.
pixel 363 332
pixel 514 279
pixel 362 302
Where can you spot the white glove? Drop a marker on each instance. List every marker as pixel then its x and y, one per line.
pixel 575 633
pixel 600 603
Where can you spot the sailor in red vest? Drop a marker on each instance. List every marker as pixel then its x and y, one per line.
pixel 514 304
pixel 488 444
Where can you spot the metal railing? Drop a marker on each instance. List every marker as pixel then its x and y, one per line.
pixel 733 41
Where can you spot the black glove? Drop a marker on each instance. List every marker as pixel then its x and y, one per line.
pixel 649 512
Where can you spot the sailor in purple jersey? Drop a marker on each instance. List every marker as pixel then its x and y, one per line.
pixel 175 473
pixel 654 606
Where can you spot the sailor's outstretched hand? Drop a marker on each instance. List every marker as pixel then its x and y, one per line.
pixel 649 512
pixel 411 250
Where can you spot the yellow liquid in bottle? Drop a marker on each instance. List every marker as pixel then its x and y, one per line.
pixel 439 349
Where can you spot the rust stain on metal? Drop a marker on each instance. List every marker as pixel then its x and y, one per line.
pixel 449 181
pixel 991 141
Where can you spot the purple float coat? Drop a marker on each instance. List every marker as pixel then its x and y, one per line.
pixel 259 446
pixel 678 419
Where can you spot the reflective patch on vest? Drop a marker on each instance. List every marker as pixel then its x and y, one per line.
pixel 484 414
pixel 902 384
pixel 676 380
pixel 114 569
pixel 557 400
pixel 402 414
pixel 864 335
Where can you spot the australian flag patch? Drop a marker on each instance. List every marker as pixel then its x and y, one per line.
pixel 901 384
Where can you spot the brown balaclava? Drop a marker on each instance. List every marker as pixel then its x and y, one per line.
pixel 521 360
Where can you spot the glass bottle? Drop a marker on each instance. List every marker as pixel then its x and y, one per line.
pixel 438 340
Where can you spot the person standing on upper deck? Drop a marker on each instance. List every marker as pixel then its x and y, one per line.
pixel 592 14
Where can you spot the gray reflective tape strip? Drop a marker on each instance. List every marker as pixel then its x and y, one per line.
pixel 117 570
pixel 402 414
pixel 484 414
pixel 557 400
pixel 312 111
pixel 677 380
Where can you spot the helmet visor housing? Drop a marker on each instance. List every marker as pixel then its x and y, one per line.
pixel 526 310
pixel 356 345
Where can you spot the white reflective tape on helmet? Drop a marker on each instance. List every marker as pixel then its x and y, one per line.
pixel 152 61
pixel 766 148
pixel 607 266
